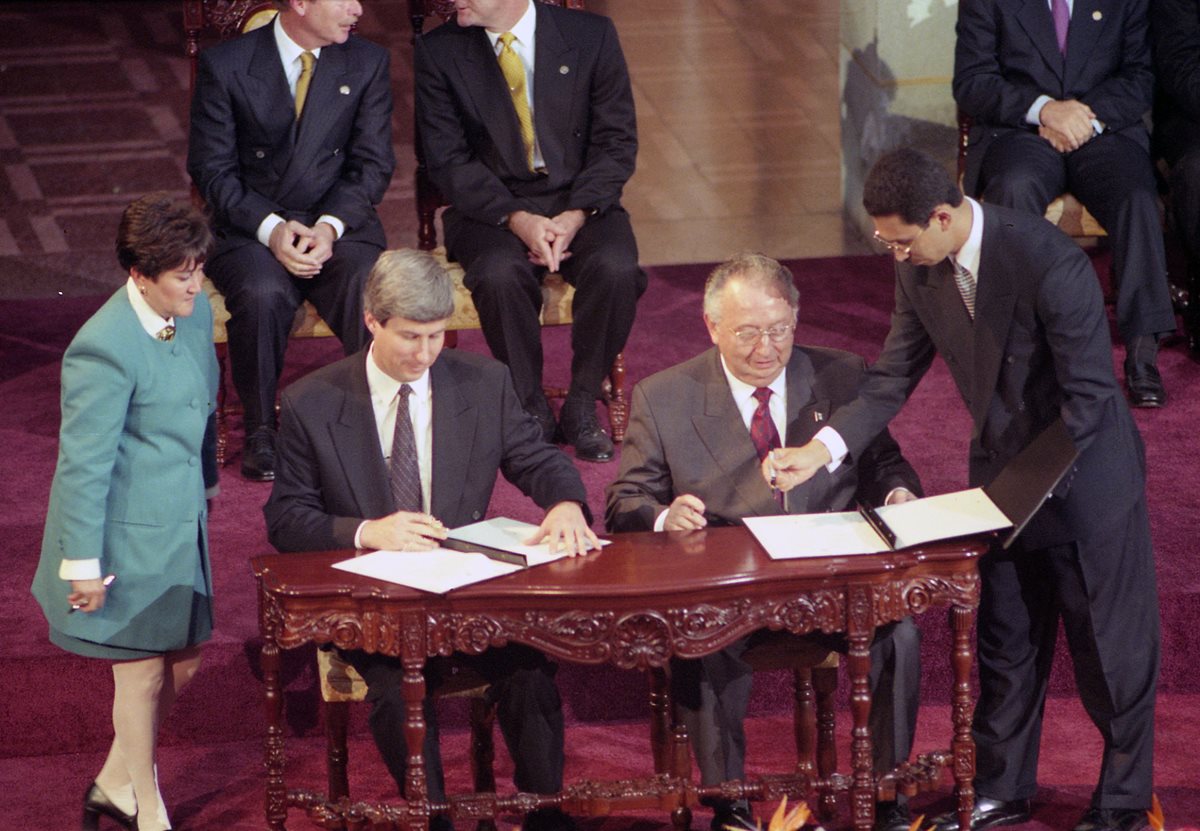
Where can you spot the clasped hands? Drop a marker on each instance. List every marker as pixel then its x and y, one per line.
pixel 547 238
pixel 1067 125
pixel 564 528
pixel 300 249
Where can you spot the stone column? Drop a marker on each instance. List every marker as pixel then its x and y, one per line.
pixel 895 64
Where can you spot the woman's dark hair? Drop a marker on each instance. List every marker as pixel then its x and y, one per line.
pixel 157 234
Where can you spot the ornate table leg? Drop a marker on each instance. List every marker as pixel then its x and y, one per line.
pixel 276 802
pixel 859 633
pixel 963 744
pixel 416 792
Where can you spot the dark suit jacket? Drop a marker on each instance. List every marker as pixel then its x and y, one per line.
pixel 1006 56
pixel 330 473
pixel 1175 31
pixel 582 108
pixel 1039 348
pixel 686 437
pixel 249 158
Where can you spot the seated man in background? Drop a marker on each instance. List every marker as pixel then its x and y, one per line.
pixel 1175 33
pixel 531 153
pixel 1057 105
pixel 697 435
pixel 291 148
pixel 390 447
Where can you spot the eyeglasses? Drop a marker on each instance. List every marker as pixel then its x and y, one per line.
pixel 899 247
pixel 747 335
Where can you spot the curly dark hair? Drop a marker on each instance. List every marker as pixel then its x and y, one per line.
pixel 911 184
pixel 157 234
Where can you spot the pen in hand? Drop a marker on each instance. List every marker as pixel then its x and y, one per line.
pixel 108 581
pixel 773 480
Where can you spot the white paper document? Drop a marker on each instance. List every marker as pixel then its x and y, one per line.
pixel 438 571
pixel 939 517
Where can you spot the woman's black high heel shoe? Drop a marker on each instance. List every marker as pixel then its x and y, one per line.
pixel 96 803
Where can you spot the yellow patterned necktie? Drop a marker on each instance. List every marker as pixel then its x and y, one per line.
pixel 514 75
pixel 166 333
pixel 307 61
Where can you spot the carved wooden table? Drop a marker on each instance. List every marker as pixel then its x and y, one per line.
pixel 643 599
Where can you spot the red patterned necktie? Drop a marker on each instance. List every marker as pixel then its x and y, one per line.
pixel 404 475
pixel 762 426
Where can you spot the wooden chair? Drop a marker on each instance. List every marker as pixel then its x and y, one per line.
pixel 341 685
pixel 814 676
pixel 557 294
pixel 1066 211
pixel 224 19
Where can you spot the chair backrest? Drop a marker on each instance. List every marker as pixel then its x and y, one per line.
pixel 429 199
pixel 221 19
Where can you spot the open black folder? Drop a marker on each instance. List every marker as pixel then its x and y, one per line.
pixel 1010 501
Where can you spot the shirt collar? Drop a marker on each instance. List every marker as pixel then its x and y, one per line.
pixel 151 320
pixel 523 29
pixel 742 392
pixel 289 50
pixel 384 387
pixel 968 255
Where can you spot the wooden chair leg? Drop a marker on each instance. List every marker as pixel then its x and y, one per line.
pixel 825 681
pixel 483 752
pixel 337 714
pixel 804 722
pixel 618 404
pixel 661 745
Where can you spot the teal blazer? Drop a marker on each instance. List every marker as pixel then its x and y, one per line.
pixel 129 485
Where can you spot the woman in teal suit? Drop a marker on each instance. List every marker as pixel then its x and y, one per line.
pixel 124 573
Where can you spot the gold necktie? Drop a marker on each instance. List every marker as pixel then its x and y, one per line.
pixel 166 333
pixel 514 75
pixel 307 61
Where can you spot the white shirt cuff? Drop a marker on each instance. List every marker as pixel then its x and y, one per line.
pixel 660 521
pixel 79 570
pixel 266 227
pixel 358 533
pixel 338 226
pixel 1034 116
pixel 834 444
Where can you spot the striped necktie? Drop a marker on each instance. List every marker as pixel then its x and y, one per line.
pixel 404 475
pixel 514 76
pixel 966 287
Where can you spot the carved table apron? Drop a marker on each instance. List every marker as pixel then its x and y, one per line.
pixel 644 598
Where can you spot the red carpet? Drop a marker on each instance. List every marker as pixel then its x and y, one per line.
pixel 55 718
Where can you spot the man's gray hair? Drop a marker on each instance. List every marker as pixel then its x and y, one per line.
pixel 410 284
pixel 751 269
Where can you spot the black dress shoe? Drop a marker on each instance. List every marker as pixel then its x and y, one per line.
pixel 988 813
pixel 540 409
pixel 732 816
pixel 581 429
pixel 258 456
pixel 1113 819
pixel 95 803
pixel 1141 372
pixel 892 816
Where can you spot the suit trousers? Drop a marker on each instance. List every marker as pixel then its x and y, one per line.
pixel 506 289
pixel 1103 588
pixel 1185 208
pixel 262 299
pixel 528 708
pixel 1113 177
pixel 711 696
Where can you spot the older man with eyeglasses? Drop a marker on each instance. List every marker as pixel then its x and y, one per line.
pixel 698 433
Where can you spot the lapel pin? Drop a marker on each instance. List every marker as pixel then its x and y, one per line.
pixel 1096 15
pixel 818 416
pixel 344 90
pixel 564 69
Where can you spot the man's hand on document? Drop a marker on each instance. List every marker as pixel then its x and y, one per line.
pixel 565 529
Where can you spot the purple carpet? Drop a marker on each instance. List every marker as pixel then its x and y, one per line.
pixel 55 720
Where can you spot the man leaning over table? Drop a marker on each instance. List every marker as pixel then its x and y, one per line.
pixel 1012 306
pixel 697 434
pixel 390 447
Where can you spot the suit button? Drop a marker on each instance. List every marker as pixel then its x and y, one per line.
pixel 193 403
pixel 1011 359
pixel 259 154
pixel 476 515
pixel 193 461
